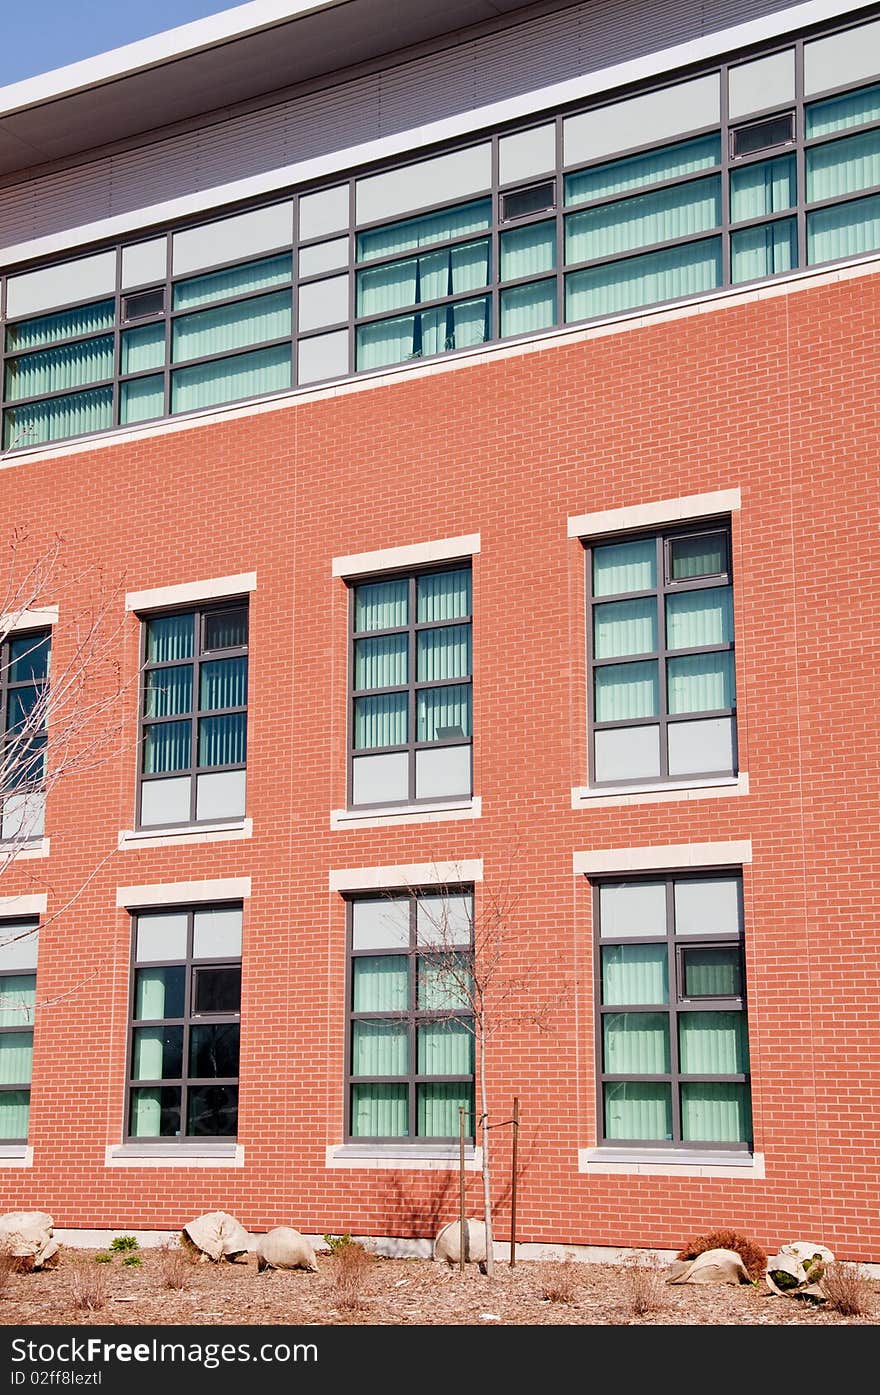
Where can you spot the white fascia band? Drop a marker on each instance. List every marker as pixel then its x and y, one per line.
pixel 414 555
pixel 177 893
pixel 587 525
pixel 36 618
pixel 14 906
pixel 415 874
pixel 190 591
pixel 660 859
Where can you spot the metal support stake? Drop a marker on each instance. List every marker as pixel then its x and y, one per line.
pixel 462 1221
pixel 515 1122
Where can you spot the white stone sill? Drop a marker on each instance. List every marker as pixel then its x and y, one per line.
pixel 645 1163
pixel 143 1155
pixel 394 1158
pixel 404 814
pixel 16 1155
pixel 132 839
pixel 610 797
pixel 38 847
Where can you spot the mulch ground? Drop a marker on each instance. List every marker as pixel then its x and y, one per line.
pixel 403 1292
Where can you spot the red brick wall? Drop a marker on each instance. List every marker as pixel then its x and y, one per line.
pixel 777 397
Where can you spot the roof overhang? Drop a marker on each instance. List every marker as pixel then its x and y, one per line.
pixel 216 64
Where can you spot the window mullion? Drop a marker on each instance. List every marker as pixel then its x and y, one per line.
pixel 674 1064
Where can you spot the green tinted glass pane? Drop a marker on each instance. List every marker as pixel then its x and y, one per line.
pixel 379 1111
pixel 446 1048
pixel 231 379
pixel 843 230
pixel 453 271
pixel 712 973
pixel 169 637
pixel 444 984
pixel 142 399
pixel 381 721
pixel 626 691
pixel 235 280
pixel 443 595
pixel 381 605
pixel 231 326
pixel 168 691
pixel 58 370
pixel 843 166
pixel 713 1043
pixel 613 287
pixel 766 250
pixel 635 974
pixel 622 567
pixel 157 1053
pixel 448 223
pixel 443 714
pixel 767 187
pixel 381 662
pixel 223 683
pixel 159 993
pixel 638 1109
pixel 643 220
pixel 526 309
pixel 636 1043
pixel 223 740
pixel 143 347
pixel 438 1106
pixel 624 627
pixel 16 1057
pixel 444 652
pixel 380 983
pixel 155 1112
pixel 698 618
pixel 715 1113
pixel 167 747
pixel 14 1113
pixel 528 251
pixel 18 994
pixel 700 683
pixel 704 554
pixel 670 162
pixel 839 113
pixel 379 1048
pixel 66 324
pixel 77 414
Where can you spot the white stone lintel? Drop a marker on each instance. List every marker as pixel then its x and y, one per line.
pixel 182 893
pixel 614 860
pixel 412 874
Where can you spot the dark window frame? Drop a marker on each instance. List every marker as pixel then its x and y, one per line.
pixel 200 610
pixel 412 687
pixel 5 1030
pixel 37 635
pixel 663 537
pixel 413 1016
pixel 677 1004
pixel 189 1019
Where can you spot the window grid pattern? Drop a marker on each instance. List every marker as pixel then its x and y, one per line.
pixel 671 1024
pixel 24 678
pixel 193 722
pixel 18 962
pixel 410 1039
pixel 648 225
pixel 660 644
pixel 185 1013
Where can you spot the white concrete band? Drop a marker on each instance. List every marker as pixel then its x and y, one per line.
pixel 183 893
pixel 14 906
pixel 190 591
pixel 36 619
pixel 659 859
pixel 587 525
pixel 413 874
pixel 413 555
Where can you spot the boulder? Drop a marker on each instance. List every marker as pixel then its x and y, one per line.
pixel 285 1248
pixel 29 1237
pixel 447 1246
pixel 216 1235
pixel 711 1267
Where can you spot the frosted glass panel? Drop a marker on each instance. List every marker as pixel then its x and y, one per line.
pixel 160 936
pixel 443 772
pixel 379 1048
pixel 636 1043
pixel 24 815
pixel 839 113
pixel 697 618
pixel 634 908
pixel 18 947
pixel 39 290
pixel 231 239
pixel 645 219
pixel 636 1109
pixel 217 933
pixel 243 375
pixel 14 1113
pixel 624 691
pixel 381 605
pixel 443 595
pixel 326 256
pixel 324 212
pixel 635 171
pixel 634 281
pixel 763 251
pixel 765 82
pixel 700 683
pixel 444 920
pixel 165 801
pixel 627 753
pixel 382 923
pixel 323 303
pixel 844 230
pixel 713 1113
pixel 458 174
pixel 708 906
pixel 380 983
pixel 527 309
pixel 701 747
pixel 437 1108
pixel 379 1111
pixel 635 974
pixel 381 662
pixel 844 166
pixel 622 567
pixel 713 1043
pixel 667 112
pixel 527 153
pixel 842 59
pixel 323 356
pixel 767 187
pixel 624 627
pixel 143 263
pixel 380 779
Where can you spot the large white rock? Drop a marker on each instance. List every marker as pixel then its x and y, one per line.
pixel 711 1267
pixel 285 1248
pixel 217 1235
pixel 447 1246
pixel 28 1235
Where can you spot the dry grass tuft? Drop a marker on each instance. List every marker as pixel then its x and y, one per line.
pixel 175 1264
pixel 752 1256
pixel 88 1286
pixel 848 1289
pixel 351 1264
pixel 8 1267
pixel 644 1286
pixel 558 1281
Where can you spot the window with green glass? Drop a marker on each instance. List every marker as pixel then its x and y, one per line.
pixel 411 724
pixel 24 707
pixel 18 970
pixel 671 1005
pixel 410 1040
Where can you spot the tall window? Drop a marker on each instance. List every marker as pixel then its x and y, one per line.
pixel 672 1030
pixel 411 688
pixel 185 1014
pixel 410 1039
pixel 18 980
pixel 24 679
pixel 194 716
pixel 660 638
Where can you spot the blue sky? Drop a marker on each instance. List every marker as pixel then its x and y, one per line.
pixel 37 35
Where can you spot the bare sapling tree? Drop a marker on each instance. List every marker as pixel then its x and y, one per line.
pixel 475 975
pixel 61 714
